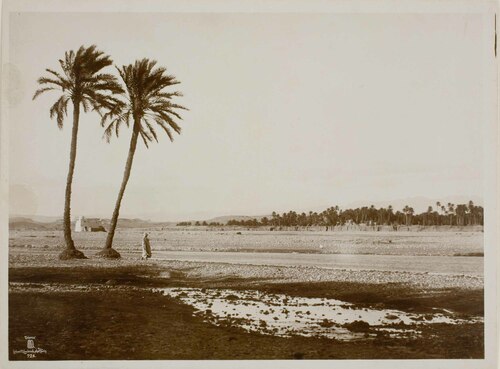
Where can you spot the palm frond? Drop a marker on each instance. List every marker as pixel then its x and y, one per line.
pixel 114 127
pixel 167 119
pixel 41 91
pixel 59 110
pixel 145 139
pixel 167 95
pixel 55 74
pixel 108 132
pixel 45 80
pixel 151 129
pixel 165 128
pixel 86 104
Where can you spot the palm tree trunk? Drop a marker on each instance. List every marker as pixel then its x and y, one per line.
pixel 70 245
pixel 126 176
pixel 71 252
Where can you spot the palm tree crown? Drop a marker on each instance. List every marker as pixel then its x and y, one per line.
pixel 81 82
pixel 145 102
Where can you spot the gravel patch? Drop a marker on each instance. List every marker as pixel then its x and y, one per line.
pixel 270 274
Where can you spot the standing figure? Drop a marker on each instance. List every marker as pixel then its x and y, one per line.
pixel 146 247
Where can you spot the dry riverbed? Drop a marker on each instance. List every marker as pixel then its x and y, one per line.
pixel 93 309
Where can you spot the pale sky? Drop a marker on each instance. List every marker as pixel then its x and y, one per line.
pixel 287 112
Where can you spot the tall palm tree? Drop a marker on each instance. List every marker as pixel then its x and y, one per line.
pixel 411 211
pixel 390 211
pixel 81 84
pixel 451 210
pixel 143 103
pixel 429 215
pixel 438 209
pixel 472 212
pixel 406 211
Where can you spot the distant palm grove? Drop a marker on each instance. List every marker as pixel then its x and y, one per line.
pixel 440 214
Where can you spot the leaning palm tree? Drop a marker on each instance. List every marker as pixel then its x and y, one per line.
pixel 81 84
pixel 143 103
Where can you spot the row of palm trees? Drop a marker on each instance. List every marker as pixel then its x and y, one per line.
pixel 456 214
pixel 450 214
pixel 138 98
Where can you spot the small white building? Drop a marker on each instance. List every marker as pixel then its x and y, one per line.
pixel 89 225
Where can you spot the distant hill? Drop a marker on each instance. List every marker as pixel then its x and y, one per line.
pixel 37 218
pixel 22 223
pixel 27 223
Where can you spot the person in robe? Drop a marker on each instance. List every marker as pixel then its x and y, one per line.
pixel 146 247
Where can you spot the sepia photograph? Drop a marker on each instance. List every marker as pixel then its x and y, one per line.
pixel 193 183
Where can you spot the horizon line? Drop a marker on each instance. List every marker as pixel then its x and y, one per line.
pixel 190 218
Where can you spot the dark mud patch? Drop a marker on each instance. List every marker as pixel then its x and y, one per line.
pixel 358 326
pixel 136 275
pixel 130 275
pixel 133 324
pixel 478 254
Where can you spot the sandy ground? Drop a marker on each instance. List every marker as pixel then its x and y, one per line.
pixel 429 242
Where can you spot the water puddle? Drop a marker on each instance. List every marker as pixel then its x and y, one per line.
pixel 286 316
